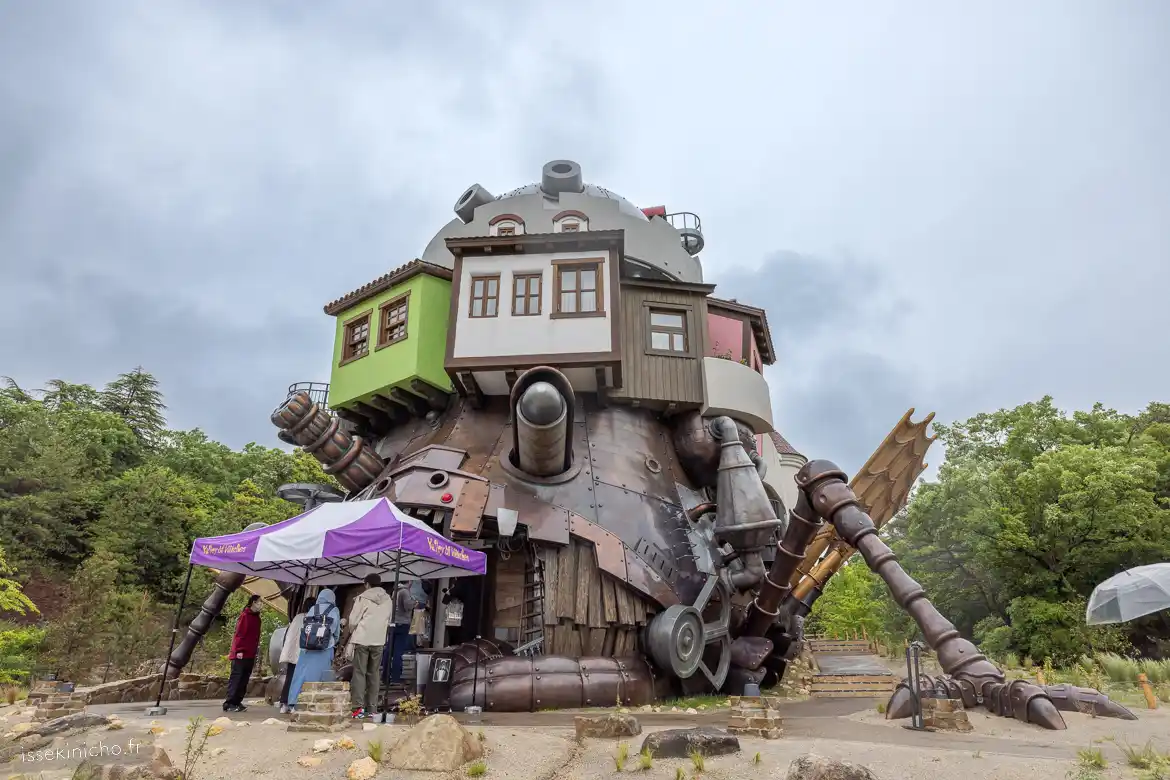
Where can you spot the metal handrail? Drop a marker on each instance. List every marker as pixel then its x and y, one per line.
pixel 684 220
pixel 318 391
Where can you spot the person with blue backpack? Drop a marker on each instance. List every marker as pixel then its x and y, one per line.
pixel 318 637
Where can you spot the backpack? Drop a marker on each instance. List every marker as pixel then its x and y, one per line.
pixel 317 631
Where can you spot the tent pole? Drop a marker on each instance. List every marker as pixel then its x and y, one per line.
pixel 158 709
pixel 393 631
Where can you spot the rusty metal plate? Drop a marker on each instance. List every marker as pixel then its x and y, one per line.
pixel 628 449
pixel 657 531
pixel 646 580
pixel 478 432
pixel 469 508
pixel 611 554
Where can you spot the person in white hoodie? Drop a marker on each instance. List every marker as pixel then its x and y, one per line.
pixel 290 652
pixel 369 620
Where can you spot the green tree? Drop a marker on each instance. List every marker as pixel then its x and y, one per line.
pixel 12 598
pixel 147 521
pixel 852 601
pixel 1032 509
pixel 135 397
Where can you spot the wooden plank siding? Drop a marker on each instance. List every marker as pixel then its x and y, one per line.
pixel 661 379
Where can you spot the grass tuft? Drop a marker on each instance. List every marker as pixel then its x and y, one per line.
pixel 622 755
pixel 374 750
pixel 477 768
pixel 697 761
pixel 645 760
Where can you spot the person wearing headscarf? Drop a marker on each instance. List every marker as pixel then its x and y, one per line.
pixel 314 665
pixel 290 651
pixel 245 643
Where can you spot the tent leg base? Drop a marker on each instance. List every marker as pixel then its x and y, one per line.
pixel 153 712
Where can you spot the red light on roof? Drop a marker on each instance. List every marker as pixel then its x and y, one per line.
pixel 446 498
pixel 654 211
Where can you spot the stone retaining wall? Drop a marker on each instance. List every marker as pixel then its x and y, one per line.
pixel 183 688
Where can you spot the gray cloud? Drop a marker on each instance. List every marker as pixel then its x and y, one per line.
pixel 950 207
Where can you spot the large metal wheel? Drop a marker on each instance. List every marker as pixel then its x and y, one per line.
pixel 678 638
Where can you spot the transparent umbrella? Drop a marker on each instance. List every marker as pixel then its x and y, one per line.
pixel 1129 595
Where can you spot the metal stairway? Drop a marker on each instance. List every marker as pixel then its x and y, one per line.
pixel 532 605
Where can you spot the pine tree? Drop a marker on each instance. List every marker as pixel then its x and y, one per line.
pixel 135 397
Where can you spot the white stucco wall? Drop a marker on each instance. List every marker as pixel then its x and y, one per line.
pixel 532 335
pixel 737 391
pixel 782 469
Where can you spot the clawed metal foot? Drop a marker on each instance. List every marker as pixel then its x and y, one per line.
pixel 1025 701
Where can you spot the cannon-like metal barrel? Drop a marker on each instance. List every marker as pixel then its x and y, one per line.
pixel 350 459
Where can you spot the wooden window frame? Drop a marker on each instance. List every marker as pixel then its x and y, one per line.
pixel 387 307
pixel 570 222
pixel 511 230
pixel 688 330
pixel 526 275
pixel 347 328
pixel 559 267
pixel 471 297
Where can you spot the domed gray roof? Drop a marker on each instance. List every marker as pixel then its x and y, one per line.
pixel 589 189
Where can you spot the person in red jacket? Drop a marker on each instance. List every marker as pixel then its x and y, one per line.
pixel 245 643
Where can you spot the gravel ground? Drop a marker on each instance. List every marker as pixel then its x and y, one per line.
pixel 998 748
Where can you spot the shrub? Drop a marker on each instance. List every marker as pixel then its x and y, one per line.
pixel 18 650
pixel 477 768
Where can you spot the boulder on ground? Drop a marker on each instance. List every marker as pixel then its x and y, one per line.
pixel 680 743
pixel 80 720
pixel 309 761
pixel 611 726
pixel 810 766
pixel 323 745
pixel 156 766
pixel 362 769
pixel 436 744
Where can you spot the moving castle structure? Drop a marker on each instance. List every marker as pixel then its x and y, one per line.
pixel 553 381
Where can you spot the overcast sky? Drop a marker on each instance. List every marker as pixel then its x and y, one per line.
pixel 948 205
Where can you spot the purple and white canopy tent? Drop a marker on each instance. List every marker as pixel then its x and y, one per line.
pixel 332 544
pixel 340 544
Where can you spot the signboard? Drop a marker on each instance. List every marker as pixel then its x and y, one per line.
pixel 437 693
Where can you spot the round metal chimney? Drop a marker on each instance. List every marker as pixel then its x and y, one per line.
pixel 561 176
pixel 472 198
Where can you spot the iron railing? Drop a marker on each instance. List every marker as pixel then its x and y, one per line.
pixel 684 220
pixel 318 391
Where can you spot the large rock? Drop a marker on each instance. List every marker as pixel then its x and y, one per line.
pixel 436 744
pixel 680 743
pixel 612 726
pixel 362 769
pixel 80 720
pixel 810 766
pixel 156 766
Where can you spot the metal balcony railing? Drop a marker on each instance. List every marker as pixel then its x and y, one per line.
pixel 318 391
pixel 690 230
pixel 684 220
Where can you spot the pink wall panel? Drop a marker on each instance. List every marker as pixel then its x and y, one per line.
pixel 723 334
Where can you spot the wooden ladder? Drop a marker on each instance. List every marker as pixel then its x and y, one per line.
pixel 532 605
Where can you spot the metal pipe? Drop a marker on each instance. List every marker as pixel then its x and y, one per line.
pixel 475 674
pixel 393 633
pixel 803 524
pixel 174 634
pixel 824 484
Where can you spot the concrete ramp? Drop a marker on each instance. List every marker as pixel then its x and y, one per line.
pixel 847 669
